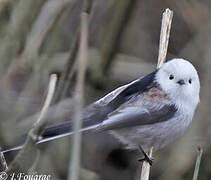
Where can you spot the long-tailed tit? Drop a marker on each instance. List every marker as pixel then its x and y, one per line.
pixel 151 111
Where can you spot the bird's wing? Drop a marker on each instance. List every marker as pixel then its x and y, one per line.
pixel 130 105
pixel 138 116
pixel 99 111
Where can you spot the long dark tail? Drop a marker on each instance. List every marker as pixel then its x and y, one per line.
pixel 58 129
pixel 93 116
pixel 55 132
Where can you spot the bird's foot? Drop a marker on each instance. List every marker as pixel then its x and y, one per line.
pixel 146 156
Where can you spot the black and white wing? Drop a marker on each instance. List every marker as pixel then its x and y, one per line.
pixel 99 111
pixel 138 103
pixel 130 117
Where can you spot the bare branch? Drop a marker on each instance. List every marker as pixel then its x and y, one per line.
pixel 69 71
pixel 51 89
pixel 146 168
pixel 163 46
pixel 34 134
pixel 164 36
pixel 82 63
pixel 70 67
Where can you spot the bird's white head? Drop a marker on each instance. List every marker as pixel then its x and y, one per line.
pixel 179 79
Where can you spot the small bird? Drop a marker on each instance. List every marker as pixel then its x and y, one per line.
pixel 152 111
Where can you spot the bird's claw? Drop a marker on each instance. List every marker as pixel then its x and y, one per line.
pixel 146 157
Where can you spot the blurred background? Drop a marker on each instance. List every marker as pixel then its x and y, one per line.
pixel 40 37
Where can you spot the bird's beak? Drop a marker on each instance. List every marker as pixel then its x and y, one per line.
pixel 181 82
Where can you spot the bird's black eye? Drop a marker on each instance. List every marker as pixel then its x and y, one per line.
pixel 171 77
pixel 190 81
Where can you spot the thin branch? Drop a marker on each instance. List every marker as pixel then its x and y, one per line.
pixel 198 161
pixel 34 134
pixel 82 63
pixel 67 75
pixel 70 67
pixel 52 14
pixel 41 120
pixel 164 36
pixel 146 168
pixel 163 46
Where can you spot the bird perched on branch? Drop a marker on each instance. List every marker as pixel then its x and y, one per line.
pixel 152 111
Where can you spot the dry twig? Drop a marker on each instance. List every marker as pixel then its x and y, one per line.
pixel 82 63
pixel 146 168
pixel 163 46
pixel 29 148
pixel 164 36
